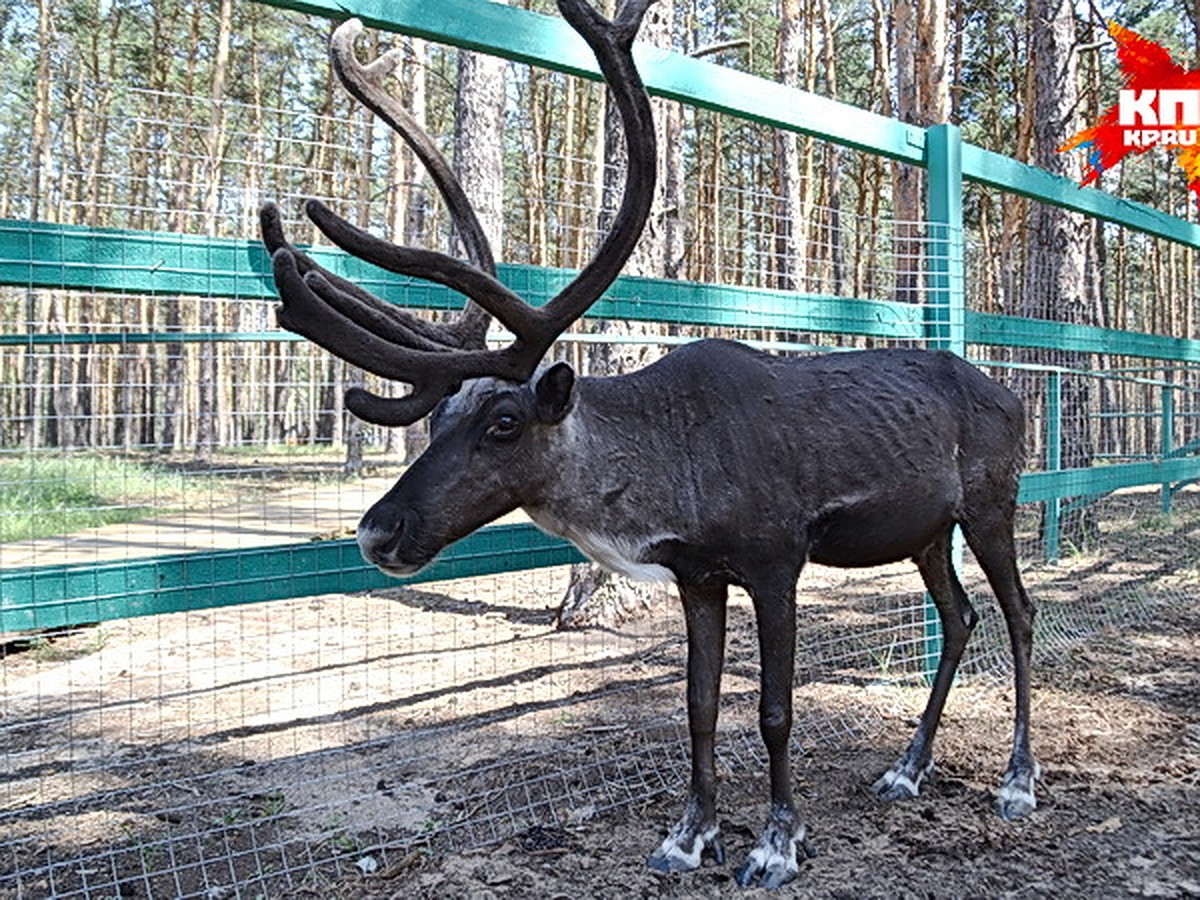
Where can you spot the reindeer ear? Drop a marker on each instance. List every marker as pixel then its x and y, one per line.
pixel 555 393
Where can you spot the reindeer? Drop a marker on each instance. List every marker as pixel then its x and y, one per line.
pixel 716 466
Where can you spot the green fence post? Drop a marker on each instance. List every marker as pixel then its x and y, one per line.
pixel 945 306
pixel 1167 440
pixel 945 309
pixel 1051 525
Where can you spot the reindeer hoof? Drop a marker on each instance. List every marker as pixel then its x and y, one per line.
pixel 773 862
pixel 770 873
pixel 902 781
pixel 680 853
pixel 1016 797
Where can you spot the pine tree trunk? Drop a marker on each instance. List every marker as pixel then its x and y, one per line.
pixel 906 189
pixel 922 98
pixel 833 159
pixel 353 463
pixel 595 595
pixel 39 210
pixel 1056 259
pixel 409 442
pixel 479 139
pixel 789 244
pixel 208 409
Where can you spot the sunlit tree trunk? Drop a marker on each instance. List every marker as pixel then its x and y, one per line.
pixel 208 408
pixel 364 192
pixel 922 98
pixel 906 189
pixel 790 259
pixel 39 209
pixel 479 139
pixel 594 594
pixel 1056 259
pixel 406 196
pixel 833 158
pixel 179 171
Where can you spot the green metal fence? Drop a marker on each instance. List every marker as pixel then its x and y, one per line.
pixel 34 254
pixel 149 580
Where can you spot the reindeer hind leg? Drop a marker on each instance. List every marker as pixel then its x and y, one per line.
pixel 958 618
pixel 990 538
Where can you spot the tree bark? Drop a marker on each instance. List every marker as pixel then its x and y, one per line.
pixel 790 262
pixel 1056 258
pixel 595 595
pixel 479 139
pixel 922 98
pixel 208 409
pixel 42 166
pixel 833 159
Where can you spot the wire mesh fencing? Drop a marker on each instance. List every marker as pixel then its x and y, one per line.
pixel 207 750
pixel 150 410
pixel 310 742
pixel 305 743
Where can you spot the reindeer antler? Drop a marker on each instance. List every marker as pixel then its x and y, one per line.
pixel 435 359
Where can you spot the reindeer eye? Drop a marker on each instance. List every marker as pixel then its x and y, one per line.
pixel 505 428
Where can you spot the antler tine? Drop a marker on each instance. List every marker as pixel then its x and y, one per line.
pixel 612 43
pixel 372 334
pixel 405 329
pixel 314 308
pixel 365 83
pixel 536 330
pixel 488 292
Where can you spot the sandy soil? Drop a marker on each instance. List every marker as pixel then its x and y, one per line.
pixel 1118 736
pixel 448 742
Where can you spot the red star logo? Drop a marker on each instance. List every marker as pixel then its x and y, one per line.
pixel 1159 108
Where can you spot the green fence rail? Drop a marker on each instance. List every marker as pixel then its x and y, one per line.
pixel 39 254
pixel 34 254
pixel 45 597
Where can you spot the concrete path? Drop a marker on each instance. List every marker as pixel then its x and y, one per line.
pixel 293 515
pixel 318 512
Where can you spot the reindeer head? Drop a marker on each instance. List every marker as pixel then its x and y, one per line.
pixel 490 440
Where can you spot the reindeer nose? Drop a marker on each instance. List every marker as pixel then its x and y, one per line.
pixel 381 537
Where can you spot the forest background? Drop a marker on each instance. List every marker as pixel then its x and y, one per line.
pixel 180 116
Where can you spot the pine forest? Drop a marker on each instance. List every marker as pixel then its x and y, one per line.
pixel 183 116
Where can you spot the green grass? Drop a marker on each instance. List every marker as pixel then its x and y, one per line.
pixel 43 495
pixel 46 494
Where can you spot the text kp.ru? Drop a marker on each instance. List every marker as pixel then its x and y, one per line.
pixel 1159 117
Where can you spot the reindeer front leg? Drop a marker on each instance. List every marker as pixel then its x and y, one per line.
pixel 696 834
pixel 773 860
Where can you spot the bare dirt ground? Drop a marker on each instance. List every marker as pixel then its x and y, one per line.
pixel 1117 733
pixel 361 746
pixel 1118 737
